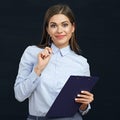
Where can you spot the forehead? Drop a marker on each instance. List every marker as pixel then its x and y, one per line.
pixel 59 18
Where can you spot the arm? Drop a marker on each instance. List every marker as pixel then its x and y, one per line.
pixel 27 79
pixel 85 97
pixel 29 75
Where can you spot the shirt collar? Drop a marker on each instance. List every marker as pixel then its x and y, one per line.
pixel 63 51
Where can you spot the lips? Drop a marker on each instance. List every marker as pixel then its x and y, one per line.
pixel 60 36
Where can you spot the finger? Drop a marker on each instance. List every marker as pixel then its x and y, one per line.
pixel 49 50
pixel 89 100
pixel 85 96
pixel 42 55
pixel 45 53
pixel 81 100
pixel 87 93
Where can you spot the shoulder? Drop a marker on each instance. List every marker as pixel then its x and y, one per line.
pixel 30 53
pixel 81 63
pixel 83 60
pixel 32 50
pixel 80 58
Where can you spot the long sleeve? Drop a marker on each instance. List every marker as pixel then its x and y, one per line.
pixel 85 111
pixel 86 73
pixel 42 90
pixel 27 79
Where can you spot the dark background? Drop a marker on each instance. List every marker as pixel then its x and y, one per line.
pixel 98 30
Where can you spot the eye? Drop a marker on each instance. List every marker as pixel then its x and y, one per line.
pixel 65 24
pixel 52 25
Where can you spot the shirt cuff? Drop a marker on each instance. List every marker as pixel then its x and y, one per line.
pixel 85 111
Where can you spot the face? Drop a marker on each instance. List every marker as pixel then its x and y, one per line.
pixel 60 30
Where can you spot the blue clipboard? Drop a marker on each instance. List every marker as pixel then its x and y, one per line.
pixel 65 105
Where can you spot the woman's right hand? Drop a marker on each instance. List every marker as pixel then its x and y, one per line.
pixel 43 59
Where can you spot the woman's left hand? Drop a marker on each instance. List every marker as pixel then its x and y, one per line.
pixel 84 97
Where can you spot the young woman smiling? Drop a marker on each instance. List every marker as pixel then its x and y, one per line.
pixel 44 69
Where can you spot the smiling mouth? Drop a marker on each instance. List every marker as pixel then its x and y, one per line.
pixel 60 36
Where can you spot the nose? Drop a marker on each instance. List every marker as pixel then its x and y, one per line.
pixel 59 29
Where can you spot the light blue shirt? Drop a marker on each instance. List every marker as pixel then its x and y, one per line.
pixel 42 90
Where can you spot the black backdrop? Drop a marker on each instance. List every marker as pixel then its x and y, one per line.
pixel 98 23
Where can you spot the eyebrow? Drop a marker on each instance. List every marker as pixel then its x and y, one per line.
pixel 56 23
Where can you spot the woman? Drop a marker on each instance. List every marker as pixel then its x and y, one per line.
pixel 44 69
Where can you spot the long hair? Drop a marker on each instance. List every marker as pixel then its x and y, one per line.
pixel 53 10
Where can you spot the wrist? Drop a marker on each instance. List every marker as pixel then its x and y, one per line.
pixel 37 70
pixel 83 107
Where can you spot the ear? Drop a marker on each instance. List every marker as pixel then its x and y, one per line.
pixel 73 27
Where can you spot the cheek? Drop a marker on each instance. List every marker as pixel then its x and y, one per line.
pixel 69 30
pixel 52 32
pixel 69 33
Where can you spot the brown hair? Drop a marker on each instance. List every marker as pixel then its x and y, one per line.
pixel 53 10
